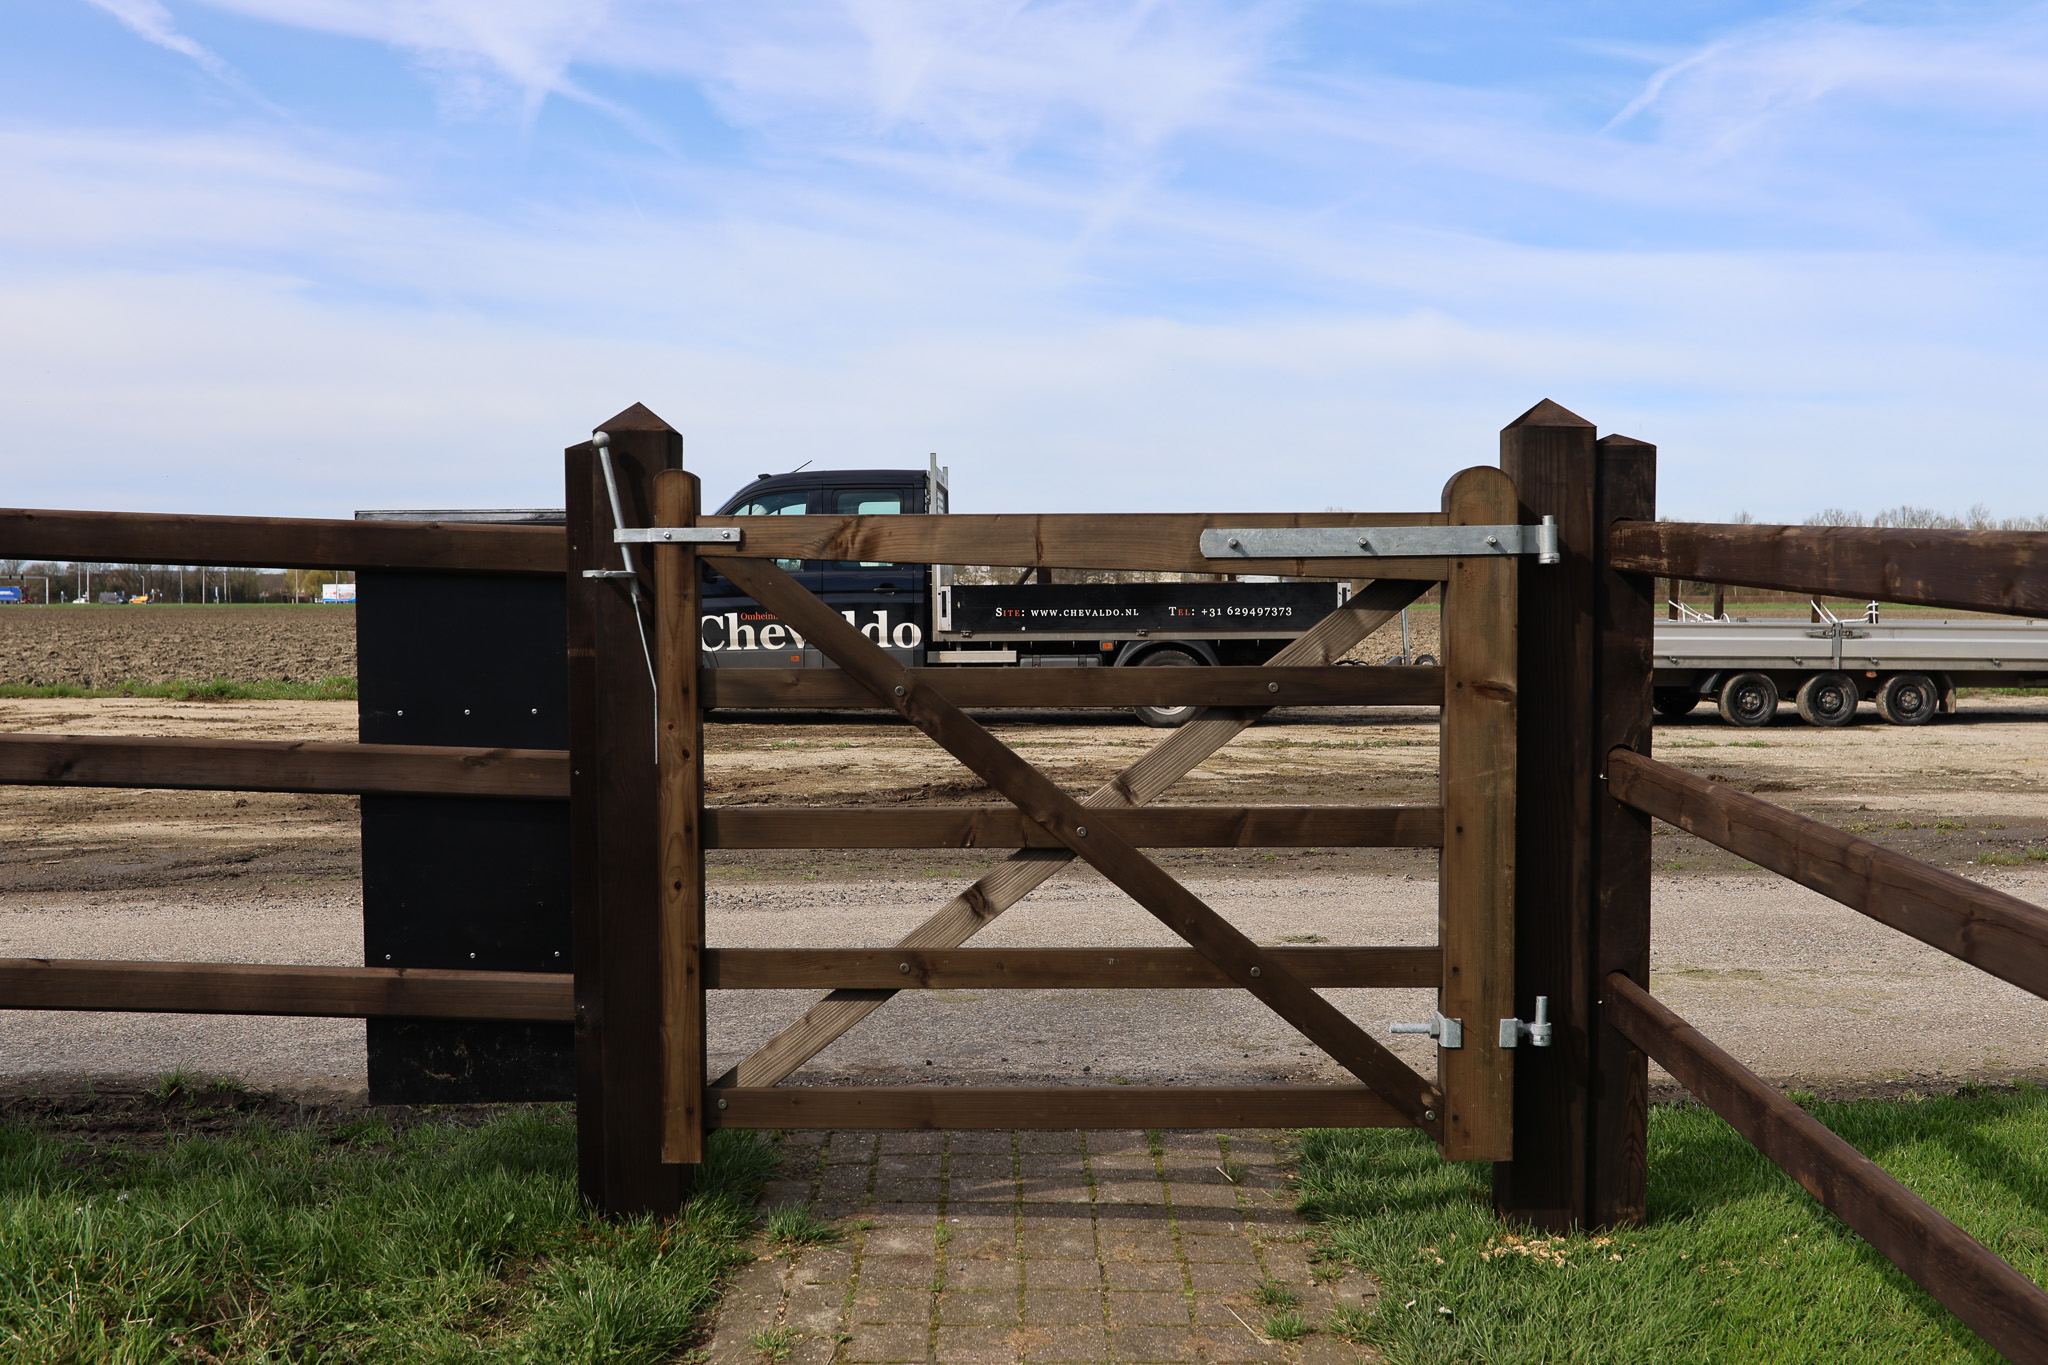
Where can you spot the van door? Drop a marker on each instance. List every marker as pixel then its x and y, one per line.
pixel 887 600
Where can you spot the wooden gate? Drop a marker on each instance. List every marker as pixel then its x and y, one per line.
pixel 1467 1106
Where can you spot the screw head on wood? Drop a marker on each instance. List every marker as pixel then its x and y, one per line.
pixel 903 967
pixel 1255 971
pixel 1429 1114
pixel 721 1104
pixel 1081 831
pixel 1272 687
pixel 899 689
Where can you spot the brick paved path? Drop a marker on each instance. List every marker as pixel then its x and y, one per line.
pixel 961 1248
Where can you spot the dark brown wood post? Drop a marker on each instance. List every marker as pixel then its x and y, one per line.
pixel 1549 453
pixel 615 851
pixel 1618 1075
pixel 1720 601
pixel 678 608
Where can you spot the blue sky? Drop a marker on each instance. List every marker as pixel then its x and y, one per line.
pixel 304 256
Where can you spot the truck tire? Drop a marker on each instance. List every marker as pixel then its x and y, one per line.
pixel 1828 699
pixel 1909 699
pixel 1167 717
pixel 1749 700
pixel 1674 701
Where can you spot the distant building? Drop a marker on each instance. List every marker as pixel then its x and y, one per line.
pixel 337 592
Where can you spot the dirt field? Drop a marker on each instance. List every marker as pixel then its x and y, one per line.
pixel 103 646
pixel 1809 992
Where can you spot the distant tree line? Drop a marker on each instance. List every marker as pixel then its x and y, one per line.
pixel 69 582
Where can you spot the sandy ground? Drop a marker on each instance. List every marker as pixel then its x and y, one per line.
pixel 97 646
pixel 1807 991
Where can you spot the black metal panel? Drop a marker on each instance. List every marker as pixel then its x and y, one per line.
pixel 465 882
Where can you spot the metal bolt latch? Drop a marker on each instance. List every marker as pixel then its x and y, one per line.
pixel 1447 1032
pixel 1513 1032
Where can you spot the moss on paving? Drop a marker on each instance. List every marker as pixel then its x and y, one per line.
pixel 1737 1262
pixel 358 1241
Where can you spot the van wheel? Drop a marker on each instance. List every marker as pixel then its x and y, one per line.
pixel 1167 717
pixel 1828 699
pixel 1749 700
pixel 1674 701
pixel 1908 699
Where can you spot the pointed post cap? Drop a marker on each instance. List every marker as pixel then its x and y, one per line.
pixel 1548 414
pixel 635 418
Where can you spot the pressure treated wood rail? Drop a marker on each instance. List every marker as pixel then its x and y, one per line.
pixel 994 686
pixel 281 542
pixel 309 992
pixel 1043 969
pixel 180 764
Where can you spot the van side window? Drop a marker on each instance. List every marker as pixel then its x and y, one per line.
pixel 866 502
pixel 792 502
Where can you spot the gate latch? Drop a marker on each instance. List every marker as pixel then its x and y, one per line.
pixel 1447 1032
pixel 1513 1032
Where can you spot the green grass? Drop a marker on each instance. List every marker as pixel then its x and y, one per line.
pixel 435 1243
pixel 798 1225
pixel 337 688
pixel 1736 1264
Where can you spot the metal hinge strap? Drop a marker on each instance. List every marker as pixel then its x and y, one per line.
pixel 677 535
pixel 1381 542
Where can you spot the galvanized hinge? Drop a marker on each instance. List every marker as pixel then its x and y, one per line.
pixel 1513 1032
pixel 1382 542
pixel 609 573
pixel 677 535
pixel 1447 1032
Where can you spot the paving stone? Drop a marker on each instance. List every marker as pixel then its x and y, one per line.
pixel 1147 1344
pixel 822 1265
pixel 1117 1140
pixel 1070 1190
pixel 1043 1165
pixel 1147 1307
pixel 901 1241
pixel 1083 1345
pixel 901 1189
pixel 805 1137
pixel 815 1308
pixel 1233 1344
pixel 1118 1191
pixel 1118 1219
pixel 976 1346
pixel 1050 1140
pixel 982 1273
pixel 1253 1151
pixel 1217 1248
pixel 1203 1220
pixel 1055 1243
pixel 1322 1350
pixel 924 1141
pixel 1060 1218
pixel 837 1209
pixel 844 1182
pixel 854 1147
pixel 1163 1276
pixel 1119 1244
pixel 981 1166
pixel 969 1305
pixel 1063 1274
pixel 1199 1142
pixel 781 1192
pixel 887 1343
pixel 1221 1308
pixel 981 1142
pixel 1210 1277
pixel 1044 1307
pixel 1287 1262
pixel 898 1272
pixel 891 1305
pixel 980 1241
pixel 981 1189
pixel 1138 1160
pixel 810 1350
pixel 1185 1193
pixel 909 1215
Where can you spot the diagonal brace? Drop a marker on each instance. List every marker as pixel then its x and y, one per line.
pixel 1144 881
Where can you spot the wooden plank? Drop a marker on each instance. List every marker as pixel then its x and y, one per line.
pixel 279 542
pixel 1051 1106
pixel 1044 969
pixel 1998 1303
pixel 1999 571
pixel 1169 542
pixel 1128 869
pixel 1624 617
pixel 614 839
pixel 1372 605
pixel 1476 924
pixel 1988 929
pixel 1007 827
pixel 678 601
pixel 300 992
pixel 180 764
pixel 974 685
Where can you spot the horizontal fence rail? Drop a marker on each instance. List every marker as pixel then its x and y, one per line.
pixel 1039 969
pixel 1167 542
pixel 1051 1106
pixel 182 764
pixel 281 542
pixel 311 992
pixel 767 827
pixel 1998 1303
pixel 1998 571
pixel 1410 685
pixel 1986 928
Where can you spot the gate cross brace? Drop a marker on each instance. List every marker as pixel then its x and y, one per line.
pixel 1025 870
pixel 1144 881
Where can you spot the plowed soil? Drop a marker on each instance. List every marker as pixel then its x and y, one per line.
pixel 96 646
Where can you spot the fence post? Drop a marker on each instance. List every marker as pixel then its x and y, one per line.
pixel 1618 1076
pixel 1549 453
pixel 678 608
pixel 615 853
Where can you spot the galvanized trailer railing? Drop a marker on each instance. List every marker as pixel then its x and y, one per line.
pixel 1547 791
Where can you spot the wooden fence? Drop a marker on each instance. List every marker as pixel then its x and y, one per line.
pixel 1543 827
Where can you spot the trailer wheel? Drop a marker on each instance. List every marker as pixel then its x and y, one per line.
pixel 1749 700
pixel 1909 699
pixel 1828 699
pixel 1674 701
pixel 1167 717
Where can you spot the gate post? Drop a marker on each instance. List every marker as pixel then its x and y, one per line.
pixel 615 852
pixel 1549 453
pixel 678 599
pixel 1582 860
